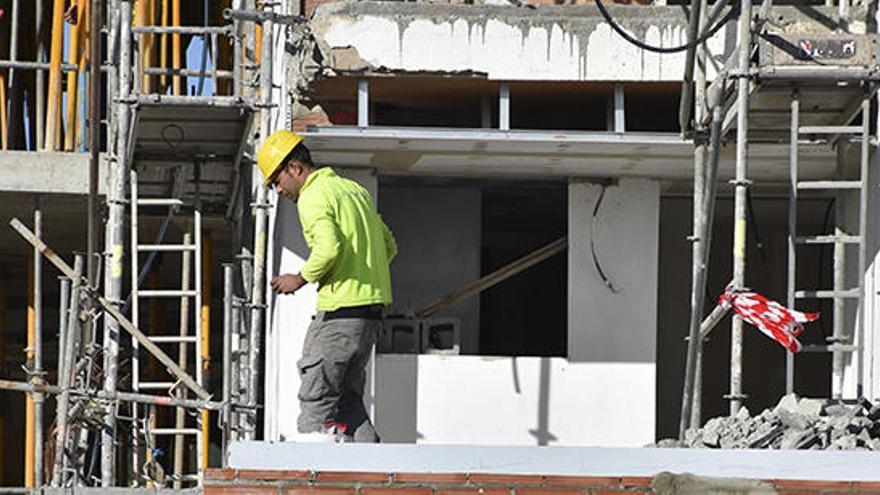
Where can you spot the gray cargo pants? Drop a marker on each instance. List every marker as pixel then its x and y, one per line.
pixel 333 374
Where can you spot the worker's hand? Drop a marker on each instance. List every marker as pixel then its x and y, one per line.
pixel 287 284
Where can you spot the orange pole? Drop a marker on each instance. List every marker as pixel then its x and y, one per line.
pixel 140 19
pixel 73 50
pixel 150 47
pixel 29 417
pixel 53 112
pixel 163 48
pixel 205 344
pixel 176 51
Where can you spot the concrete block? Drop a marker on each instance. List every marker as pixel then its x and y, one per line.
pixel 441 335
pixel 400 336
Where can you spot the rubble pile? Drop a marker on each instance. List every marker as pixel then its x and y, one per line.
pixel 793 424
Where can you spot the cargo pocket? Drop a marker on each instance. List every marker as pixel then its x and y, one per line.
pixel 313 385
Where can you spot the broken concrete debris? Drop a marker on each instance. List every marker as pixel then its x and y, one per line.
pixel 795 423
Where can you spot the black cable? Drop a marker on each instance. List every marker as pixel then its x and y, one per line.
pixel 734 11
pixel 605 279
pixel 759 242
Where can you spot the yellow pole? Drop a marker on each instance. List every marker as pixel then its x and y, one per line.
pixel 150 47
pixel 3 300
pixel 3 127
pixel 176 52
pixel 53 113
pixel 29 421
pixel 163 48
pixel 206 335
pixel 73 50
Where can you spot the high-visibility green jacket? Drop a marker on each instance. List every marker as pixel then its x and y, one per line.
pixel 350 245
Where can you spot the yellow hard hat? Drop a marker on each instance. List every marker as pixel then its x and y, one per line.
pixel 274 150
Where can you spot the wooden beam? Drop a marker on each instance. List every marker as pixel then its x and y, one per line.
pixel 497 276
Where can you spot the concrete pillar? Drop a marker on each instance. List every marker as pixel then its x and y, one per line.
pixel 613 319
pixel 612 293
pixel 872 285
pixel 291 315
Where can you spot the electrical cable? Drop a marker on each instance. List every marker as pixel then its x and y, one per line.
pixel 759 242
pixel 605 279
pixel 734 11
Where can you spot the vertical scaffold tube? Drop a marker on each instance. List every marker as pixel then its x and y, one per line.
pixel 115 233
pixel 741 185
pixel 260 225
pixel 66 379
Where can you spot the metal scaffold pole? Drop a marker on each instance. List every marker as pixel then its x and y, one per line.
pixel 37 370
pixel 260 225
pixel 741 185
pixel 95 17
pixel 114 243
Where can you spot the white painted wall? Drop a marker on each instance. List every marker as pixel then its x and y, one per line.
pixel 439 253
pixel 476 400
pixel 872 285
pixel 510 44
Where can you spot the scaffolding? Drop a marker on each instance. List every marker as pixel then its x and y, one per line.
pixel 796 82
pixel 171 154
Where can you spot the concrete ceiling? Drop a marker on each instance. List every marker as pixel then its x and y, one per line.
pixel 544 154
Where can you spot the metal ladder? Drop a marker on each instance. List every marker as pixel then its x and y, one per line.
pixel 842 344
pixel 191 332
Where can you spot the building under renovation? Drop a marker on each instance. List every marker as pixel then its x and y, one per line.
pixel 580 191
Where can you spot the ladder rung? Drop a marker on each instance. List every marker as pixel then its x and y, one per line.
pixel 155 385
pixel 830 184
pixel 166 247
pixel 830 348
pixel 175 431
pixel 159 202
pixel 830 129
pixel 828 239
pixel 827 294
pixel 173 339
pixel 167 293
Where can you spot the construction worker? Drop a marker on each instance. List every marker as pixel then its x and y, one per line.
pixel 351 248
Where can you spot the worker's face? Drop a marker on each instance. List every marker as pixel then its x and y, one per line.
pixel 289 180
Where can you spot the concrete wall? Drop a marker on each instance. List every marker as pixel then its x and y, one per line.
pixel 438 230
pixel 872 285
pixel 559 43
pixel 477 400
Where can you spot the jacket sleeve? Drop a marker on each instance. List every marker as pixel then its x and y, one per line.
pixel 322 236
pixel 390 243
